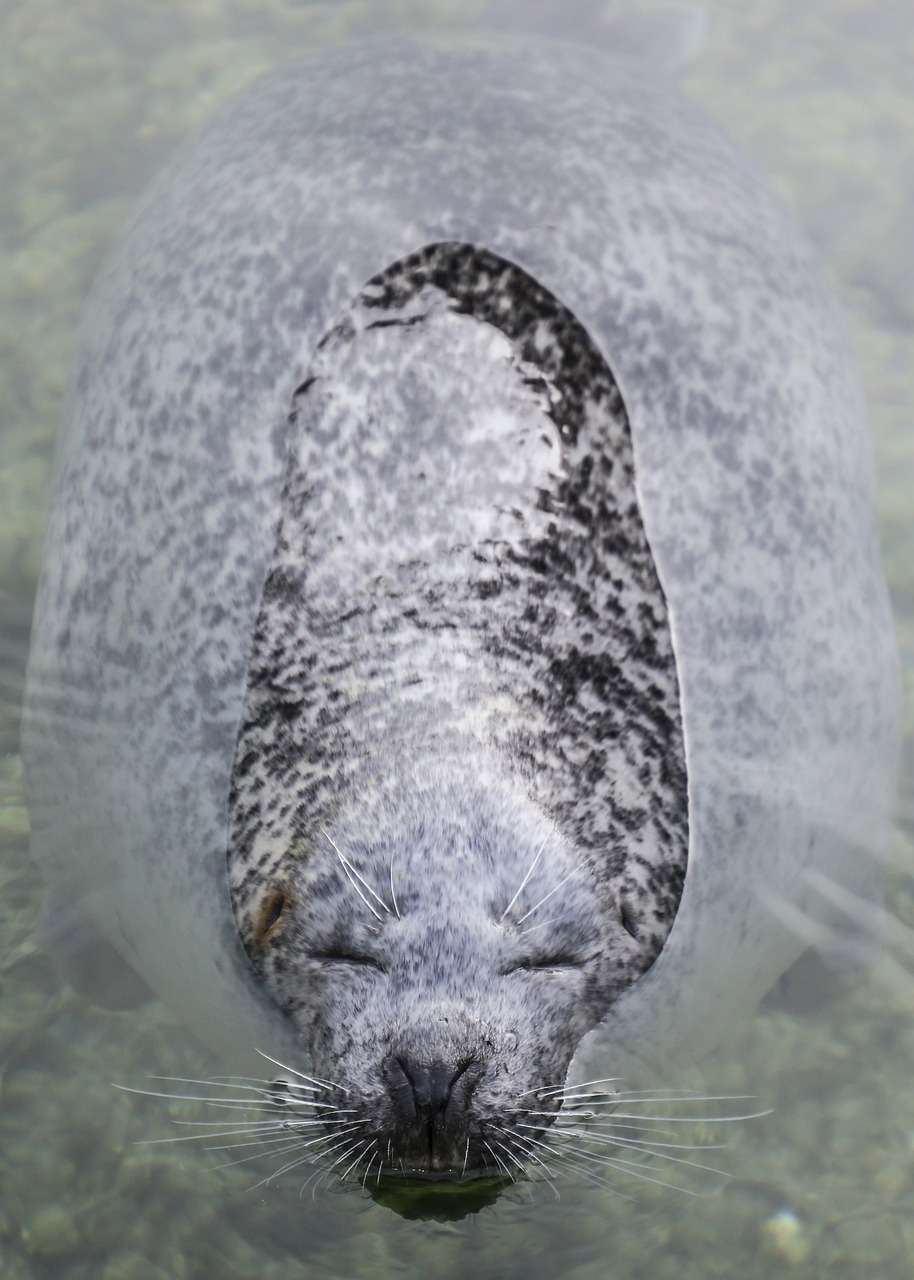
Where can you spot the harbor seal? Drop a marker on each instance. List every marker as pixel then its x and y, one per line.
pixel 462 536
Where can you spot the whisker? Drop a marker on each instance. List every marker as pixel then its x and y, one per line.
pixel 592 1176
pixel 513 1177
pixel 752 1115
pixel 497 1158
pixel 365 1146
pixel 224 1082
pixel 225 1133
pixel 364 1178
pixel 606 1124
pixel 258 1155
pixel 568 1089
pixel 633 1167
pixel 276 1144
pixel 520 887
pixel 228 1104
pixel 637 1141
pixel 317 1177
pixel 522 933
pixel 278 1147
pixel 344 1155
pixel 642 1098
pixel 306 1146
pixel 277 1173
pixel 555 889
pixel 527 1146
pixel 654 1152
pixel 320 1084
pixel 355 879
pixel 679 1095
pixel 393 895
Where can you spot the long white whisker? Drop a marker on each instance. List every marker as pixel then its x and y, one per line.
pixel 592 1176
pixel 355 880
pixel 344 1155
pixel 654 1151
pixel 634 1167
pixel 527 1147
pixel 227 1104
pixel 620 1139
pixel 607 1125
pixel 393 895
pixel 320 1084
pixel 278 1144
pixel 567 1090
pixel 754 1115
pixel 225 1133
pixel 319 1143
pixel 364 1147
pixel 259 1087
pixel 277 1173
pixel 258 1155
pixel 522 1156
pixel 364 1178
pixel 520 887
pixel 555 889
pixel 497 1158
pixel 522 933
pixel 507 1171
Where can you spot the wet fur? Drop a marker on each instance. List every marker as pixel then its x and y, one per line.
pixel 462 657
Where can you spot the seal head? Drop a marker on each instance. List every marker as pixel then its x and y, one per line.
pixel 443 951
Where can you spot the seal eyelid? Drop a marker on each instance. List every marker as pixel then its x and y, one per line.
pixel 539 964
pixel 355 959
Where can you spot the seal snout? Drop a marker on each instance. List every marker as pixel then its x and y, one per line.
pixel 430 1109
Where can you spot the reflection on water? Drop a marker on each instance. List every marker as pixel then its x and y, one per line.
pixel 94 96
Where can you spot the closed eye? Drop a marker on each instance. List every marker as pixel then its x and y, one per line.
pixel 354 959
pixel 547 963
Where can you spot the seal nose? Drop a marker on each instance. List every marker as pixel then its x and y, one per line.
pixel 430 1102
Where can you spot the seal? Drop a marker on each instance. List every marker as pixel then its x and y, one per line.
pixel 462 624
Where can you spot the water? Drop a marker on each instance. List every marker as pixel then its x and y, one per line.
pixel 94 95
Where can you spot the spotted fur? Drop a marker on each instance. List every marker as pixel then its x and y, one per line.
pixel 462 620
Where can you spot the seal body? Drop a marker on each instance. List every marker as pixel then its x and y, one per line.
pixel 463 533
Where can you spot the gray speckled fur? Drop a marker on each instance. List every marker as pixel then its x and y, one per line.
pixel 751 467
pixel 461 566
pixel 462 657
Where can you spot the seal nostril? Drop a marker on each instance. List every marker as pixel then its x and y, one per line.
pixel 432 1084
pixel 429 1101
